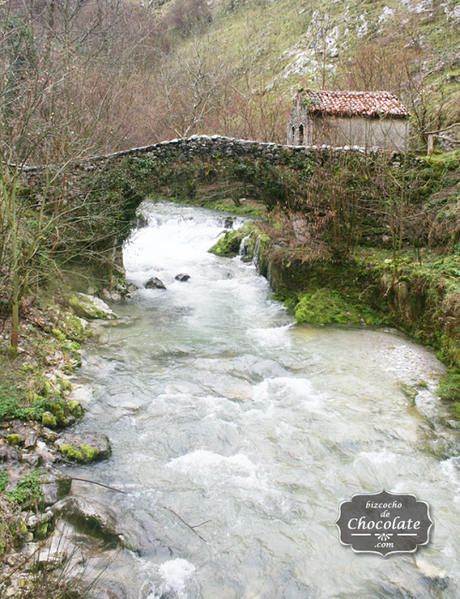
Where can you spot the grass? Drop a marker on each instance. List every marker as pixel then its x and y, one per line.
pixel 27 491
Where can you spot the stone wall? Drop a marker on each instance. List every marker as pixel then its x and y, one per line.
pixel 305 129
pixel 206 146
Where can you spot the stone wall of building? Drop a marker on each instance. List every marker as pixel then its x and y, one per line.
pixel 344 132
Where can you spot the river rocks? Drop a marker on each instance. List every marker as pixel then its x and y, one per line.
pixel 91 518
pixel 155 283
pixel 90 307
pixel 84 447
pixel 182 277
pixel 30 440
pixel 132 287
pixel 54 486
pixel 9 454
pixel 49 435
pixel 434 576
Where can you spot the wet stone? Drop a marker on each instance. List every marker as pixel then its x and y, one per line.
pixel 155 283
pixel 84 447
pixel 91 518
pixel 54 486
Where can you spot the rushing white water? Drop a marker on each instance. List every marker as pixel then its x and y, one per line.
pixel 223 410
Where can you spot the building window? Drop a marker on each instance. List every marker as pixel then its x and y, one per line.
pixel 301 136
pixel 293 136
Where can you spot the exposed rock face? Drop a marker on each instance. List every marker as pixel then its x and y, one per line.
pixel 84 447
pixel 182 277
pixel 155 283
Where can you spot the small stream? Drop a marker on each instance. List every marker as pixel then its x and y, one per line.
pixel 220 408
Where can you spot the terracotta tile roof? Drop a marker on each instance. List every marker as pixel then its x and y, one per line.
pixel 354 103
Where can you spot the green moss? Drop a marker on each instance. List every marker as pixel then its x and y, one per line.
pixel 3 479
pixel 13 439
pixel 75 409
pixel 65 384
pixel 89 453
pixel 49 420
pixel 72 453
pixel 58 409
pixel 229 245
pixel 409 392
pixel 449 388
pixel 325 306
pixel 84 454
pixel 58 334
pixel 22 528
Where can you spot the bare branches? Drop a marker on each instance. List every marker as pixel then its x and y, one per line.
pixel 192 528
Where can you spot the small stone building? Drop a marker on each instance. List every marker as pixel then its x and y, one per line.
pixel 339 118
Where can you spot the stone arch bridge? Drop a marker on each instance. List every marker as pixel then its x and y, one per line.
pixel 101 193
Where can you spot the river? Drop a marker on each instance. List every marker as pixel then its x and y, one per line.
pixel 220 408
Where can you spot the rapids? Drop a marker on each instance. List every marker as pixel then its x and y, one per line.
pixel 220 408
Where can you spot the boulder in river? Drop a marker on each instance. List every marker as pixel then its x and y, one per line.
pixel 155 283
pixel 90 307
pixel 182 277
pixel 92 518
pixel 84 447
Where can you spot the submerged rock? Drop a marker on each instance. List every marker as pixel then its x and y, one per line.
pixel 84 447
pixel 155 283
pixel 182 277
pixel 433 575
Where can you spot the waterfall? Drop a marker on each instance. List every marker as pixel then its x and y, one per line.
pixel 256 256
pixel 245 248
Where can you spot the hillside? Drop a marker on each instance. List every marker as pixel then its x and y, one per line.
pixel 261 52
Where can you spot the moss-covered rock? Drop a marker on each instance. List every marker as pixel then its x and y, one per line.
pixel 13 439
pixel 49 420
pixel 449 388
pixel 84 447
pixel 71 452
pixel 325 306
pixel 75 409
pixel 229 245
pixel 59 408
pixel 90 307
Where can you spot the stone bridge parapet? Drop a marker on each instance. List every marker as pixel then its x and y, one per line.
pixel 212 146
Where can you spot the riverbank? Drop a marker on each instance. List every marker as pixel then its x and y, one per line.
pixel 37 413
pixel 418 293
